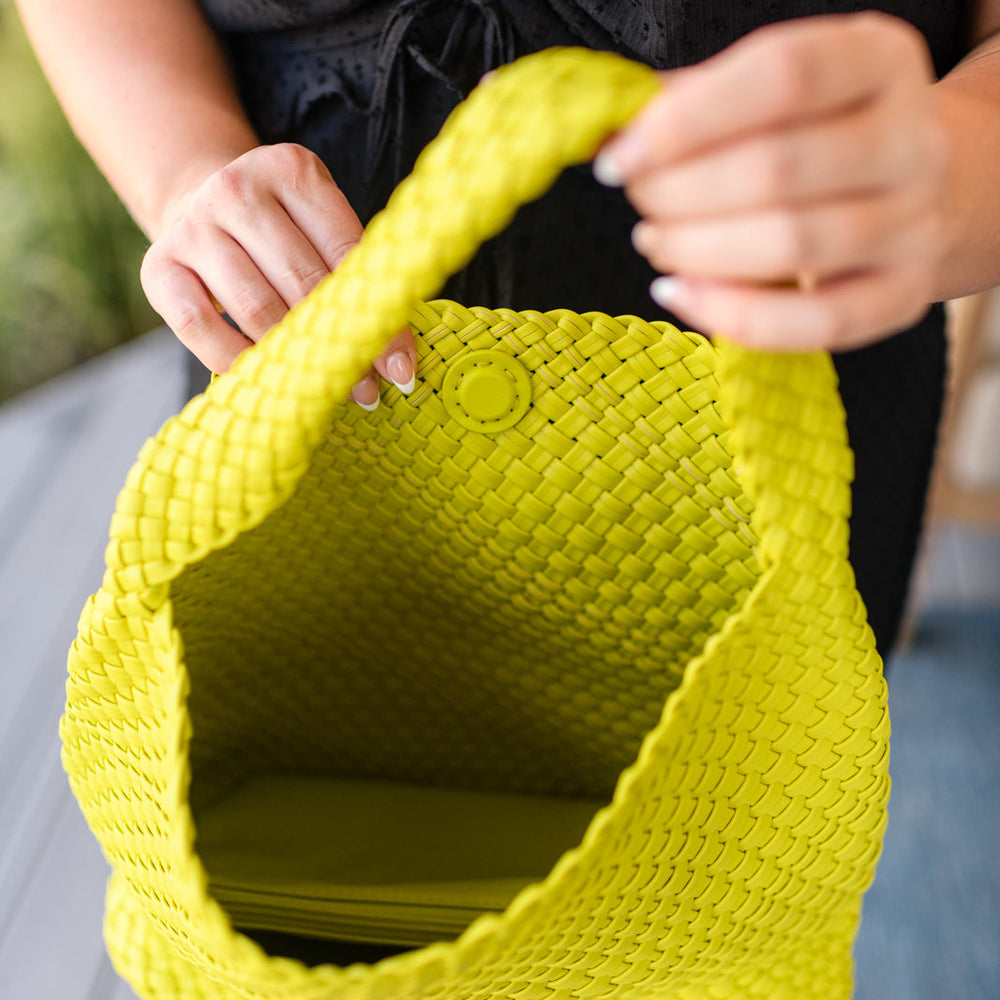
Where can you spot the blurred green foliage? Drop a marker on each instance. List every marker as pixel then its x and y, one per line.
pixel 69 252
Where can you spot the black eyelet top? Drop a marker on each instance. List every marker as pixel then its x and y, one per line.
pixel 367 83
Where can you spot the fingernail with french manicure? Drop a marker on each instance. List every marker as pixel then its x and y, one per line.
pixel 606 169
pixel 618 160
pixel 665 291
pixel 399 368
pixel 641 235
pixel 365 393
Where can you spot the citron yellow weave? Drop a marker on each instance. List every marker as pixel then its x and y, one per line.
pixel 637 593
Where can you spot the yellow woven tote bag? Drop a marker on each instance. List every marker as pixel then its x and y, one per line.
pixel 553 673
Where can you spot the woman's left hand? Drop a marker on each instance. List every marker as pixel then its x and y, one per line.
pixel 793 186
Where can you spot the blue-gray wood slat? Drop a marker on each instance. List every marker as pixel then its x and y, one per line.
pixel 64 452
pixel 931 924
pixel 932 919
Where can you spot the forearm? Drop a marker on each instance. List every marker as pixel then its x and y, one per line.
pixel 969 100
pixel 147 90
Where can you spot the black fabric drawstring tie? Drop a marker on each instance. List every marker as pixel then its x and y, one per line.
pixel 473 24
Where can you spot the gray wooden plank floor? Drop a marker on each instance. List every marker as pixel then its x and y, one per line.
pixel 64 452
pixel 932 920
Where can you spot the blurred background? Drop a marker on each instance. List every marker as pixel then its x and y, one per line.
pixel 86 375
pixel 69 252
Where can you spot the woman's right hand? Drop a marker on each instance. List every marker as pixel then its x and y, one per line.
pixel 252 240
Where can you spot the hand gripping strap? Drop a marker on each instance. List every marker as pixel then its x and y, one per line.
pixel 247 441
pixel 732 860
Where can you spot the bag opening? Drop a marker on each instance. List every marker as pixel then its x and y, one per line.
pixel 476 625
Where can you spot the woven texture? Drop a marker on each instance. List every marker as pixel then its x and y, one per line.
pixel 639 593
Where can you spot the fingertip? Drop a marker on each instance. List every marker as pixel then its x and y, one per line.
pixel 401 372
pixel 207 333
pixel 398 362
pixel 664 291
pixel 607 170
pixel 365 393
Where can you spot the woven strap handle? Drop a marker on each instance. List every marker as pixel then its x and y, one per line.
pixel 503 147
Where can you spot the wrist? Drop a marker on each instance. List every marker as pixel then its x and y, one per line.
pixel 971 231
pixel 161 198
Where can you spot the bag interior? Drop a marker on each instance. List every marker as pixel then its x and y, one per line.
pixel 415 682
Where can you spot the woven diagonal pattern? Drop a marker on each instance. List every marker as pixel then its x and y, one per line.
pixel 606 525
pixel 640 591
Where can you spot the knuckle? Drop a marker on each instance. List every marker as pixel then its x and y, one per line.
pixel 304 278
pixel 792 79
pixel 189 324
pixel 295 164
pixel 876 21
pixel 793 244
pixel 902 43
pixel 231 183
pixel 772 169
pixel 903 38
pixel 255 311
pixel 337 248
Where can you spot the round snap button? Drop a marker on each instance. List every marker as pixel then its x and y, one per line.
pixel 487 394
pixel 486 391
